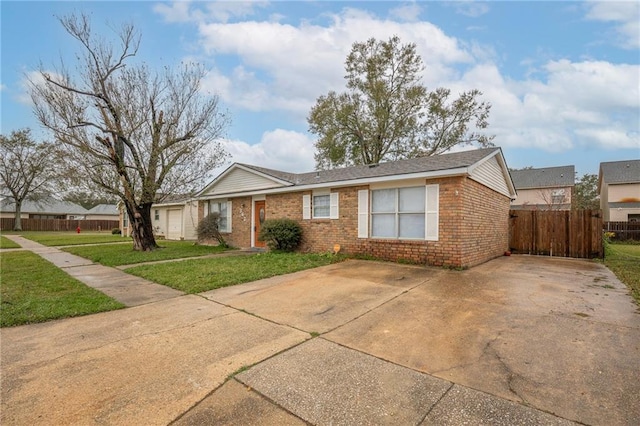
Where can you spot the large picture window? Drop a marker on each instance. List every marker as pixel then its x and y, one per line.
pixel 398 213
pixel 401 213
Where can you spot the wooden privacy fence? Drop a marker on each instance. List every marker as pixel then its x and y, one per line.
pixel 565 233
pixel 623 230
pixel 6 224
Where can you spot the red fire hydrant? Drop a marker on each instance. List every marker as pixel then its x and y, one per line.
pixel 78 229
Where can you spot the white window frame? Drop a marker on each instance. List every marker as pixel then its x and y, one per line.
pixel 308 202
pixel 314 197
pixel 431 212
pixel 156 215
pixel 215 206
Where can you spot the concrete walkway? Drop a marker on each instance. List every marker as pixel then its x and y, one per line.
pixel 126 289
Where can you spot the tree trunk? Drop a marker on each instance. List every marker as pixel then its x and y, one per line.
pixel 17 224
pixel 141 227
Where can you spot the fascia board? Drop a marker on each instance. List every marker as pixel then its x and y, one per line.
pixel 503 165
pixel 264 175
pixel 340 184
pixel 247 169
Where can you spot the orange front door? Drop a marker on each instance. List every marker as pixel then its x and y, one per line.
pixel 258 218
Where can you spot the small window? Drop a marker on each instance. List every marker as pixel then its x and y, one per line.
pixel 321 206
pixel 221 208
pixel 125 220
pixel 156 215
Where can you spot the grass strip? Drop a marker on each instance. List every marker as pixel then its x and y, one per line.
pixel 198 275
pixel 624 261
pixel 72 238
pixel 34 290
pixel 7 243
pixel 123 254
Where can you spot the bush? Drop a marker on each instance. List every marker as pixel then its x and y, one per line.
pixel 208 229
pixel 281 234
pixel 116 231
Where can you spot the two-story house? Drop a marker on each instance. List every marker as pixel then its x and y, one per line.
pixel 619 189
pixel 548 188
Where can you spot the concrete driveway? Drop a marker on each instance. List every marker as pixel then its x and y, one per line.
pixel 518 340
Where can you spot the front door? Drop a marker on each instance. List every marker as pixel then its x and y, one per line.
pixel 258 218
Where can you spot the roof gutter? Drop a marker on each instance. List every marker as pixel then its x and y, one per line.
pixel 461 171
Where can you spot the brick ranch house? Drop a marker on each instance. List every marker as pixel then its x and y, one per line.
pixel 450 209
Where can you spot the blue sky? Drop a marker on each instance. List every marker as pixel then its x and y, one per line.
pixel 563 77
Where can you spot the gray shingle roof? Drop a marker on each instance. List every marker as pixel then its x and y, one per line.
pixel 104 209
pixel 49 206
pixel 620 171
pixel 416 165
pixel 546 177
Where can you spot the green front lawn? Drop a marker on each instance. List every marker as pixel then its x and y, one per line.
pixel 7 243
pixel 73 238
pixel 198 275
pixel 624 261
pixel 123 254
pixel 34 290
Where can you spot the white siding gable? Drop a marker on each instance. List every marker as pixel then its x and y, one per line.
pixel 240 180
pixel 490 174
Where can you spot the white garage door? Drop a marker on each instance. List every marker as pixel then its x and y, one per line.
pixel 174 227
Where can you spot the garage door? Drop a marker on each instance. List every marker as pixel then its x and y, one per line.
pixel 174 227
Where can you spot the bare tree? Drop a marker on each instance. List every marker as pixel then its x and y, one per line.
pixel 126 130
pixel 554 199
pixel 26 169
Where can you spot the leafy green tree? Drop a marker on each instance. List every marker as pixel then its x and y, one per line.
pixel 586 192
pixel 388 114
pixel 26 169
pixel 127 131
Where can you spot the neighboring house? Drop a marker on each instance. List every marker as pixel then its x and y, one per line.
pixel 450 209
pixel 43 209
pixel 619 189
pixel 549 188
pixel 103 212
pixel 176 218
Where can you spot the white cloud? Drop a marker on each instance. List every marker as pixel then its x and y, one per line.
pixel 32 78
pixel 177 11
pixel 558 106
pixel 612 137
pixel 296 64
pixel 2 87
pixel 472 9
pixel 219 11
pixel 278 149
pixel 624 14
pixel 590 104
pixel 408 12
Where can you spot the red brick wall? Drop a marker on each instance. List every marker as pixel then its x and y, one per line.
pixel 485 224
pixel 473 226
pixel 240 235
pixel 445 251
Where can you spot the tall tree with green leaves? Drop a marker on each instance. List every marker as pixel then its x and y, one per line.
pixel 27 169
pixel 388 114
pixel 586 192
pixel 126 130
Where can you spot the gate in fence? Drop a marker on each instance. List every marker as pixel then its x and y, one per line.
pixel 565 233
